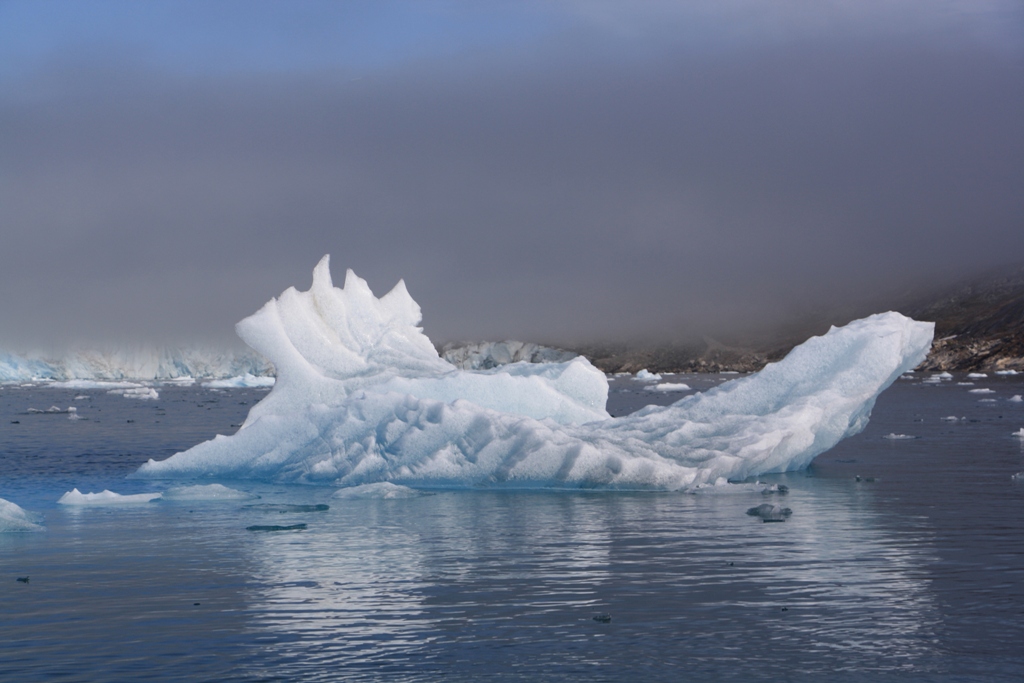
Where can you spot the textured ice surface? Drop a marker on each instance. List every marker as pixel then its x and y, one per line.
pixel 75 497
pixel 142 393
pixel 363 397
pixel 205 492
pixel 14 518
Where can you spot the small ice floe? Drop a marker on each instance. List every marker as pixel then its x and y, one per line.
pixel 940 377
pixel 73 413
pixel 200 492
pixel 1016 398
pixel 976 375
pixel 82 397
pixel 953 418
pixel 965 384
pixel 14 518
pixel 241 382
pixel 668 386
pixel 645 376
pixel 179 381
pixel 980 391
pixel 142 393
pixel 898 437
pixel 380 490
pixel 1007 373
pixel 52 410
pixel 986 400
pixel 770 513
pixel 76 497
pixel 1018 477
pixel 1020 433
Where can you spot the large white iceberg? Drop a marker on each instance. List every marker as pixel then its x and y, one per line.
pixel 362 396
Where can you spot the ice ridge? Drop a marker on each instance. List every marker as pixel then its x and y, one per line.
pixel 363 397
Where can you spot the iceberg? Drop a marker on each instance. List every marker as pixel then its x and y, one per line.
pixel 363 397
pixel 14 518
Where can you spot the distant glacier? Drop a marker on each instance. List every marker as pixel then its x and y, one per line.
pixel 139 363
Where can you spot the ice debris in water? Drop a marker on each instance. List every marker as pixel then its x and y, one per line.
pixel 243 381
pixel 1020 433
pixel 380 490
pixel 201 492
pixel 362 397
pixel 1016 398
pixel 898 437
pixel 980 391
pixel 770 513
pixel 143 393
pixel 14 518
pixel 669 386
pixel 1006 372
pixel 953 418
pixel 976 375
pixel 75 497
pixel 645 376
pixel 940 377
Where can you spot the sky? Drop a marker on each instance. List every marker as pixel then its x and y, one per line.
pixel 561 171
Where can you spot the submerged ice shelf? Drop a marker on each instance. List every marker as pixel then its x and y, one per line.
pixel 363 397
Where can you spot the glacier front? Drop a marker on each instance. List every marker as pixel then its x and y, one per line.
pixel 363 397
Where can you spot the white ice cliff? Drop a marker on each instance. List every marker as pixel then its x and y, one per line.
pixel 362 396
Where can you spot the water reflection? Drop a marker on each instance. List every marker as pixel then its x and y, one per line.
pixel 476 582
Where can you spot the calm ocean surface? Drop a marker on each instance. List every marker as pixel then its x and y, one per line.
pixel 915 572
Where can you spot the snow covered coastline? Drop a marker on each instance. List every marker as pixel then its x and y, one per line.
pixel 363 397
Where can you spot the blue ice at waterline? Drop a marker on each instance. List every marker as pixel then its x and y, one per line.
pixel 362 397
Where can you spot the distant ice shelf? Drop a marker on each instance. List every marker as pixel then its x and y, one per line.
pixel 363 397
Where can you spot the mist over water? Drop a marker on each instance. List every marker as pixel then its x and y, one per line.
pixel 568 174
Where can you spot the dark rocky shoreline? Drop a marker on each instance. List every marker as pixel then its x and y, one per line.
pixel 979 326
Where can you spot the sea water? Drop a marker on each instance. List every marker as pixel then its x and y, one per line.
pixel 903 558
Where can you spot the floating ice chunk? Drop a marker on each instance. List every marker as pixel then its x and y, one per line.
pixel 73 413
pixel 980 391
pixel 1016 398
pixel 898 437
pixel 382 489
pixel 1019 434
pixel 645 376
pixel 940 377
pixel 953 418
pixel 241 382
pixel 205 492
pixel 82 397
pixel 363 397
pixel 976 375
pixel 770 513
pixel 965 384
pixel 141 393
pixel 15 518
pixel 669 386
pixel 1006 372
pixel 75 497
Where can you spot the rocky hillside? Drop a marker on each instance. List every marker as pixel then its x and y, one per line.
pixel 979 325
